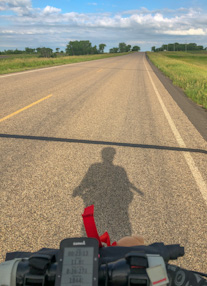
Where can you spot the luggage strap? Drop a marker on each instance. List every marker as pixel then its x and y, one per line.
pixel 91 230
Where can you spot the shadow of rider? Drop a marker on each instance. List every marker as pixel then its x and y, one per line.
pixel 107 187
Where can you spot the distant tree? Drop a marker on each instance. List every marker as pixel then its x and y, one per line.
pixel 128 48
pixel 18 52
pixel 122 47
pixel 200 48
pixel 73 48
pixel 101 48
pixel 170 47
pixel 114 50
pixel 182 47
pixel 164 47
pixel 38 50
pixel 57 50
pixel 45 52
pixel 179 47
pixel 94 50
pixel 29 51
pixel 136 49
pixel 86 47
pixel 153 49
pixel 13 52
pixel 192 46
pixel 80 48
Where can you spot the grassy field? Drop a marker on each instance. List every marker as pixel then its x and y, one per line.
pixel 187 70
pixel 16 63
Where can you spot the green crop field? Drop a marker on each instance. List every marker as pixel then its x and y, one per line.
pixel 16 63
pixel 187 70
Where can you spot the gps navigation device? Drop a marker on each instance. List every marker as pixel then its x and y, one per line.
pixel 78 262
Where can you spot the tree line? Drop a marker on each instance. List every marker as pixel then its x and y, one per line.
pixel 42 52
pixel 86 48
pixel 123 48
pixel 74 48
pixel 178 47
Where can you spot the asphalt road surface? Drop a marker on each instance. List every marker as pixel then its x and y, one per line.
pixel 106 133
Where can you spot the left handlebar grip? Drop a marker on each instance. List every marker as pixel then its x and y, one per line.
pixel 175 251
pixel 24 273
pixel 8 271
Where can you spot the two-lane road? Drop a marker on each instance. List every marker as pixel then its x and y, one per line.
pixel 106 133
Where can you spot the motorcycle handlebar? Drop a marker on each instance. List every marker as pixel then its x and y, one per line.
pixel 114 267
pixel 112 274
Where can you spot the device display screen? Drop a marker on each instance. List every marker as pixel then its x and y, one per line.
pixel 77 267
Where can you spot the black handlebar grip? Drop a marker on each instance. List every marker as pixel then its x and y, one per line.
pixel 175 251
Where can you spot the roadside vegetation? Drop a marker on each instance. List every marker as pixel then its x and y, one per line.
pixel 16 63
pixel 76 51
pixel 187 70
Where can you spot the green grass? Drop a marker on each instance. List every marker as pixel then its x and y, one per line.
pixel 187 70
pixel 16 63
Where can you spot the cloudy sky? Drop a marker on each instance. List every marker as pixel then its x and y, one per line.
pixel 146 23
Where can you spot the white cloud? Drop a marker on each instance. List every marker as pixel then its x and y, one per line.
pixel 191 32
pixel 18 6
pixel 157 26
pixel 10 4
pixel 21 8
pixel 51 10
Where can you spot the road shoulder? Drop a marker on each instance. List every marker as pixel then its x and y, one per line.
pixel 196 114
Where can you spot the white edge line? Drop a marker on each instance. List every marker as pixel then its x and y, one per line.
pixel 194 169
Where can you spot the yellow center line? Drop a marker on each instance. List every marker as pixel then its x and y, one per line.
pixel 24 108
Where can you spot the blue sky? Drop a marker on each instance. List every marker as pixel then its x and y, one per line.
pixel 146 23
pixel 116 5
